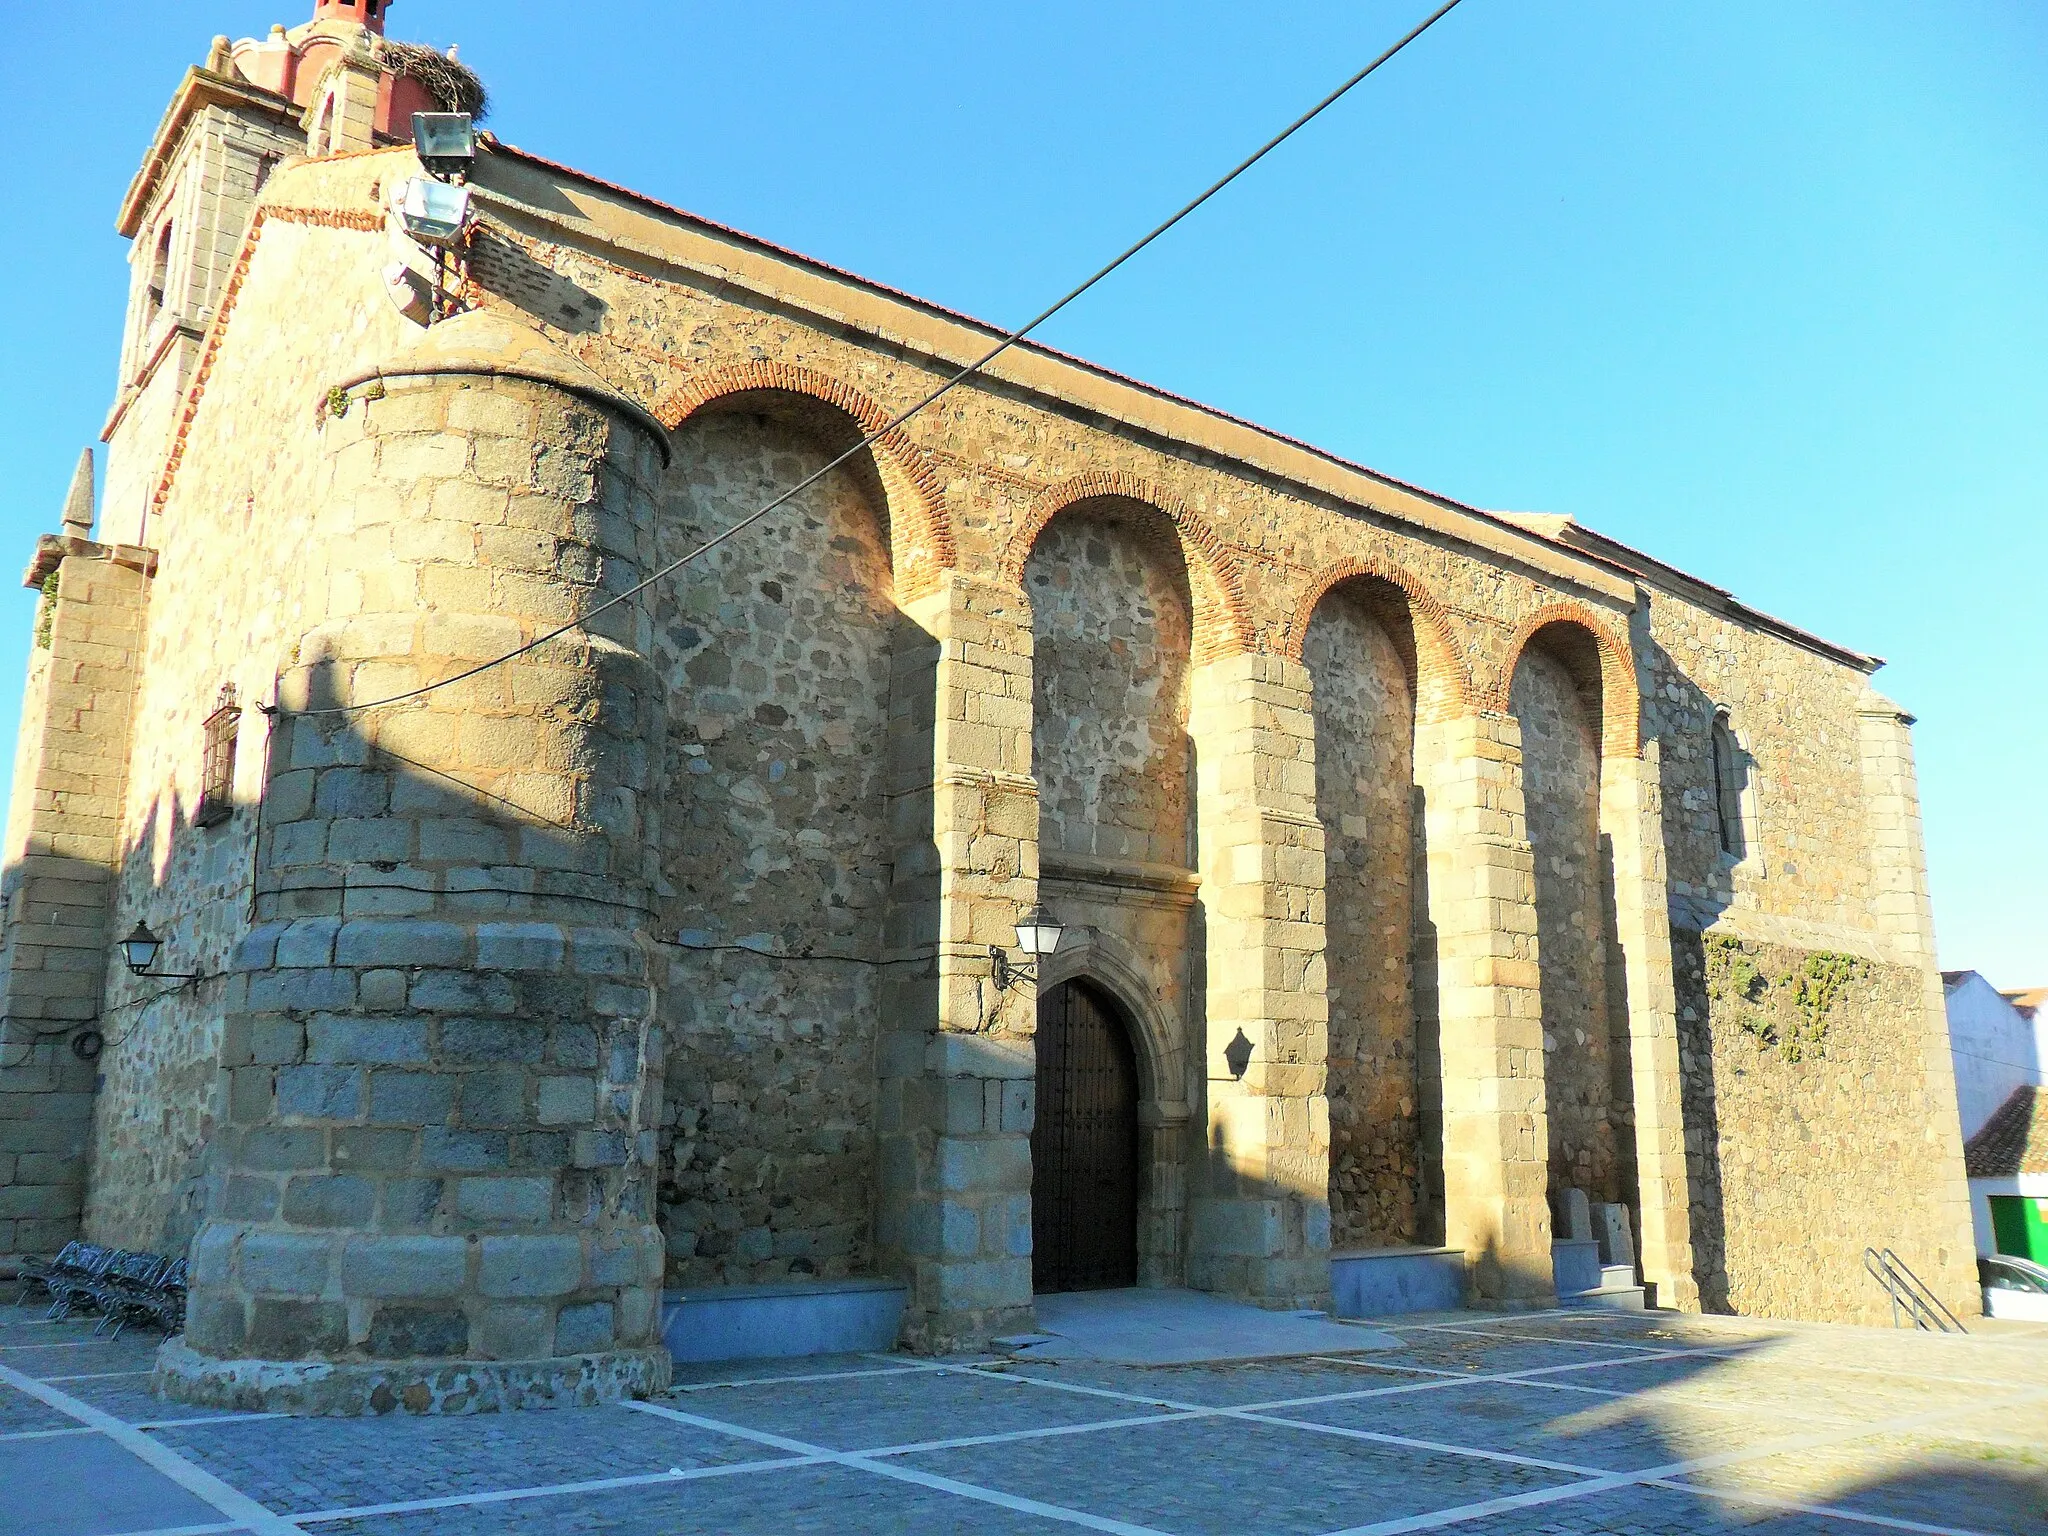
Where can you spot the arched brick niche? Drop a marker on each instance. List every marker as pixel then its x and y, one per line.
pixel 1222 623
pixel 1600 662
pixel 1438 675
pixel 920 529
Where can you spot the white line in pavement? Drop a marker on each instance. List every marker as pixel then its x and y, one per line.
pixel 48 1434
pixel 1827 1511
pixel 1663 1476
pixel 184 1530
pixel 232 1502
pixel 1725 1353
pixel 554 1490
pixel 1546 1384
pixel 211 1418
pixel 96 1375
pixel 64 1344
pixel 776 1381
pixel 865 1463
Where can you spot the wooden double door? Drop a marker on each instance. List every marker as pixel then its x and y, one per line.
pixel 1084 1144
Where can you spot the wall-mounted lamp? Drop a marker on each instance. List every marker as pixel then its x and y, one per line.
pixel 1038 935
pixel 140 950
pixel 1238 1055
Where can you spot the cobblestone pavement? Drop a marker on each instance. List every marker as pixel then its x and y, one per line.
pixel 1548 1422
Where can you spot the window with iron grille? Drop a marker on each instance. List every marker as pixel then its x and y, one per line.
pixel 217 774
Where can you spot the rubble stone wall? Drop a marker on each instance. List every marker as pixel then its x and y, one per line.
pixel 776 856
pixel 1111 633
pixel 1813 1131
pixel 1561 785
pixel 1365 777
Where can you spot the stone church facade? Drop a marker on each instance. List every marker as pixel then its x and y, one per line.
pixel 661 954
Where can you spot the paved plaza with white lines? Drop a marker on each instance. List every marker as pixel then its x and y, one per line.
pixel 1548 1422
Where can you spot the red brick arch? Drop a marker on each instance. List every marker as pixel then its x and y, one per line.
pixel 920 528
pixel 1620 699
pixel 1222 621
pixel 1442 676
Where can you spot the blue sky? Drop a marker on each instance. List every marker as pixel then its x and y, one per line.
pixel 1756 287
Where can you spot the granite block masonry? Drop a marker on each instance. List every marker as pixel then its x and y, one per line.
pixel 1437 873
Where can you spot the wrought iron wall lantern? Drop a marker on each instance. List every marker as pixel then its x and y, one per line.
pixel 1038 935
pixel 141 948
pixel 1238 1055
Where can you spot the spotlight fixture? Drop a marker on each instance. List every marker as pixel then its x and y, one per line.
pixel 445 142
pixel 435 213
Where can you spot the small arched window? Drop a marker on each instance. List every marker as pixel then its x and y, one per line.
pixel 1730 767
pixel 160 270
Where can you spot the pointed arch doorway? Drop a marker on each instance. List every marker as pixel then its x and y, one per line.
pixel 1084 1144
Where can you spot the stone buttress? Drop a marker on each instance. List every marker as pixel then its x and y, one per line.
pixel 443 1079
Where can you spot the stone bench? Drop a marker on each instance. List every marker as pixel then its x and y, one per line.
pixel 801 1317
pixel 1379 1282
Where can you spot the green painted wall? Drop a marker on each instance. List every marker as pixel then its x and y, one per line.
pixel 2020 1225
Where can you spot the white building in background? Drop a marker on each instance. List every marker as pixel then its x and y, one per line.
pixel 1998 1041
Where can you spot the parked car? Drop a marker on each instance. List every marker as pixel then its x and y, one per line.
pixel 2013 1287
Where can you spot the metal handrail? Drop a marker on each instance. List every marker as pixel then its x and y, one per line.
pixel 1908 1290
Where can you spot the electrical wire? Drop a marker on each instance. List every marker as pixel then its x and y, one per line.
pixel 1005 344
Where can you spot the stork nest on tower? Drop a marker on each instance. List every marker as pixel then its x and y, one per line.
pixel 453 85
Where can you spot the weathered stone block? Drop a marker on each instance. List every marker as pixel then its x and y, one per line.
pixel 280 1148
pixel 541 1265
pixel 346 1038
pixel 567 1100
pixel 295 1330
pixel 366 1150
pixel 495 1096
pixel 411 1098
pixel 399 1333
pixel 583 1329
pixel 404 1266
pixel 984 1164
pixel 382 990
pixel 411 1203
pixel 385 942
pixel 476 1040
pixel 464 1151
pixel 600 1149
pixel 519 946
pixel 329 1200
pixel 285 1263
pixel 505 1200
pixel 519 1331
pixel 277 1042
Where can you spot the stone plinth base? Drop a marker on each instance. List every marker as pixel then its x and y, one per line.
pixel 354 1388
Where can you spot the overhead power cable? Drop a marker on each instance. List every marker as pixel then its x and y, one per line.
pixel 951 383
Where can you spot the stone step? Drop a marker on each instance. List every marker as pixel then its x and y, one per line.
pixel 1612 1275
